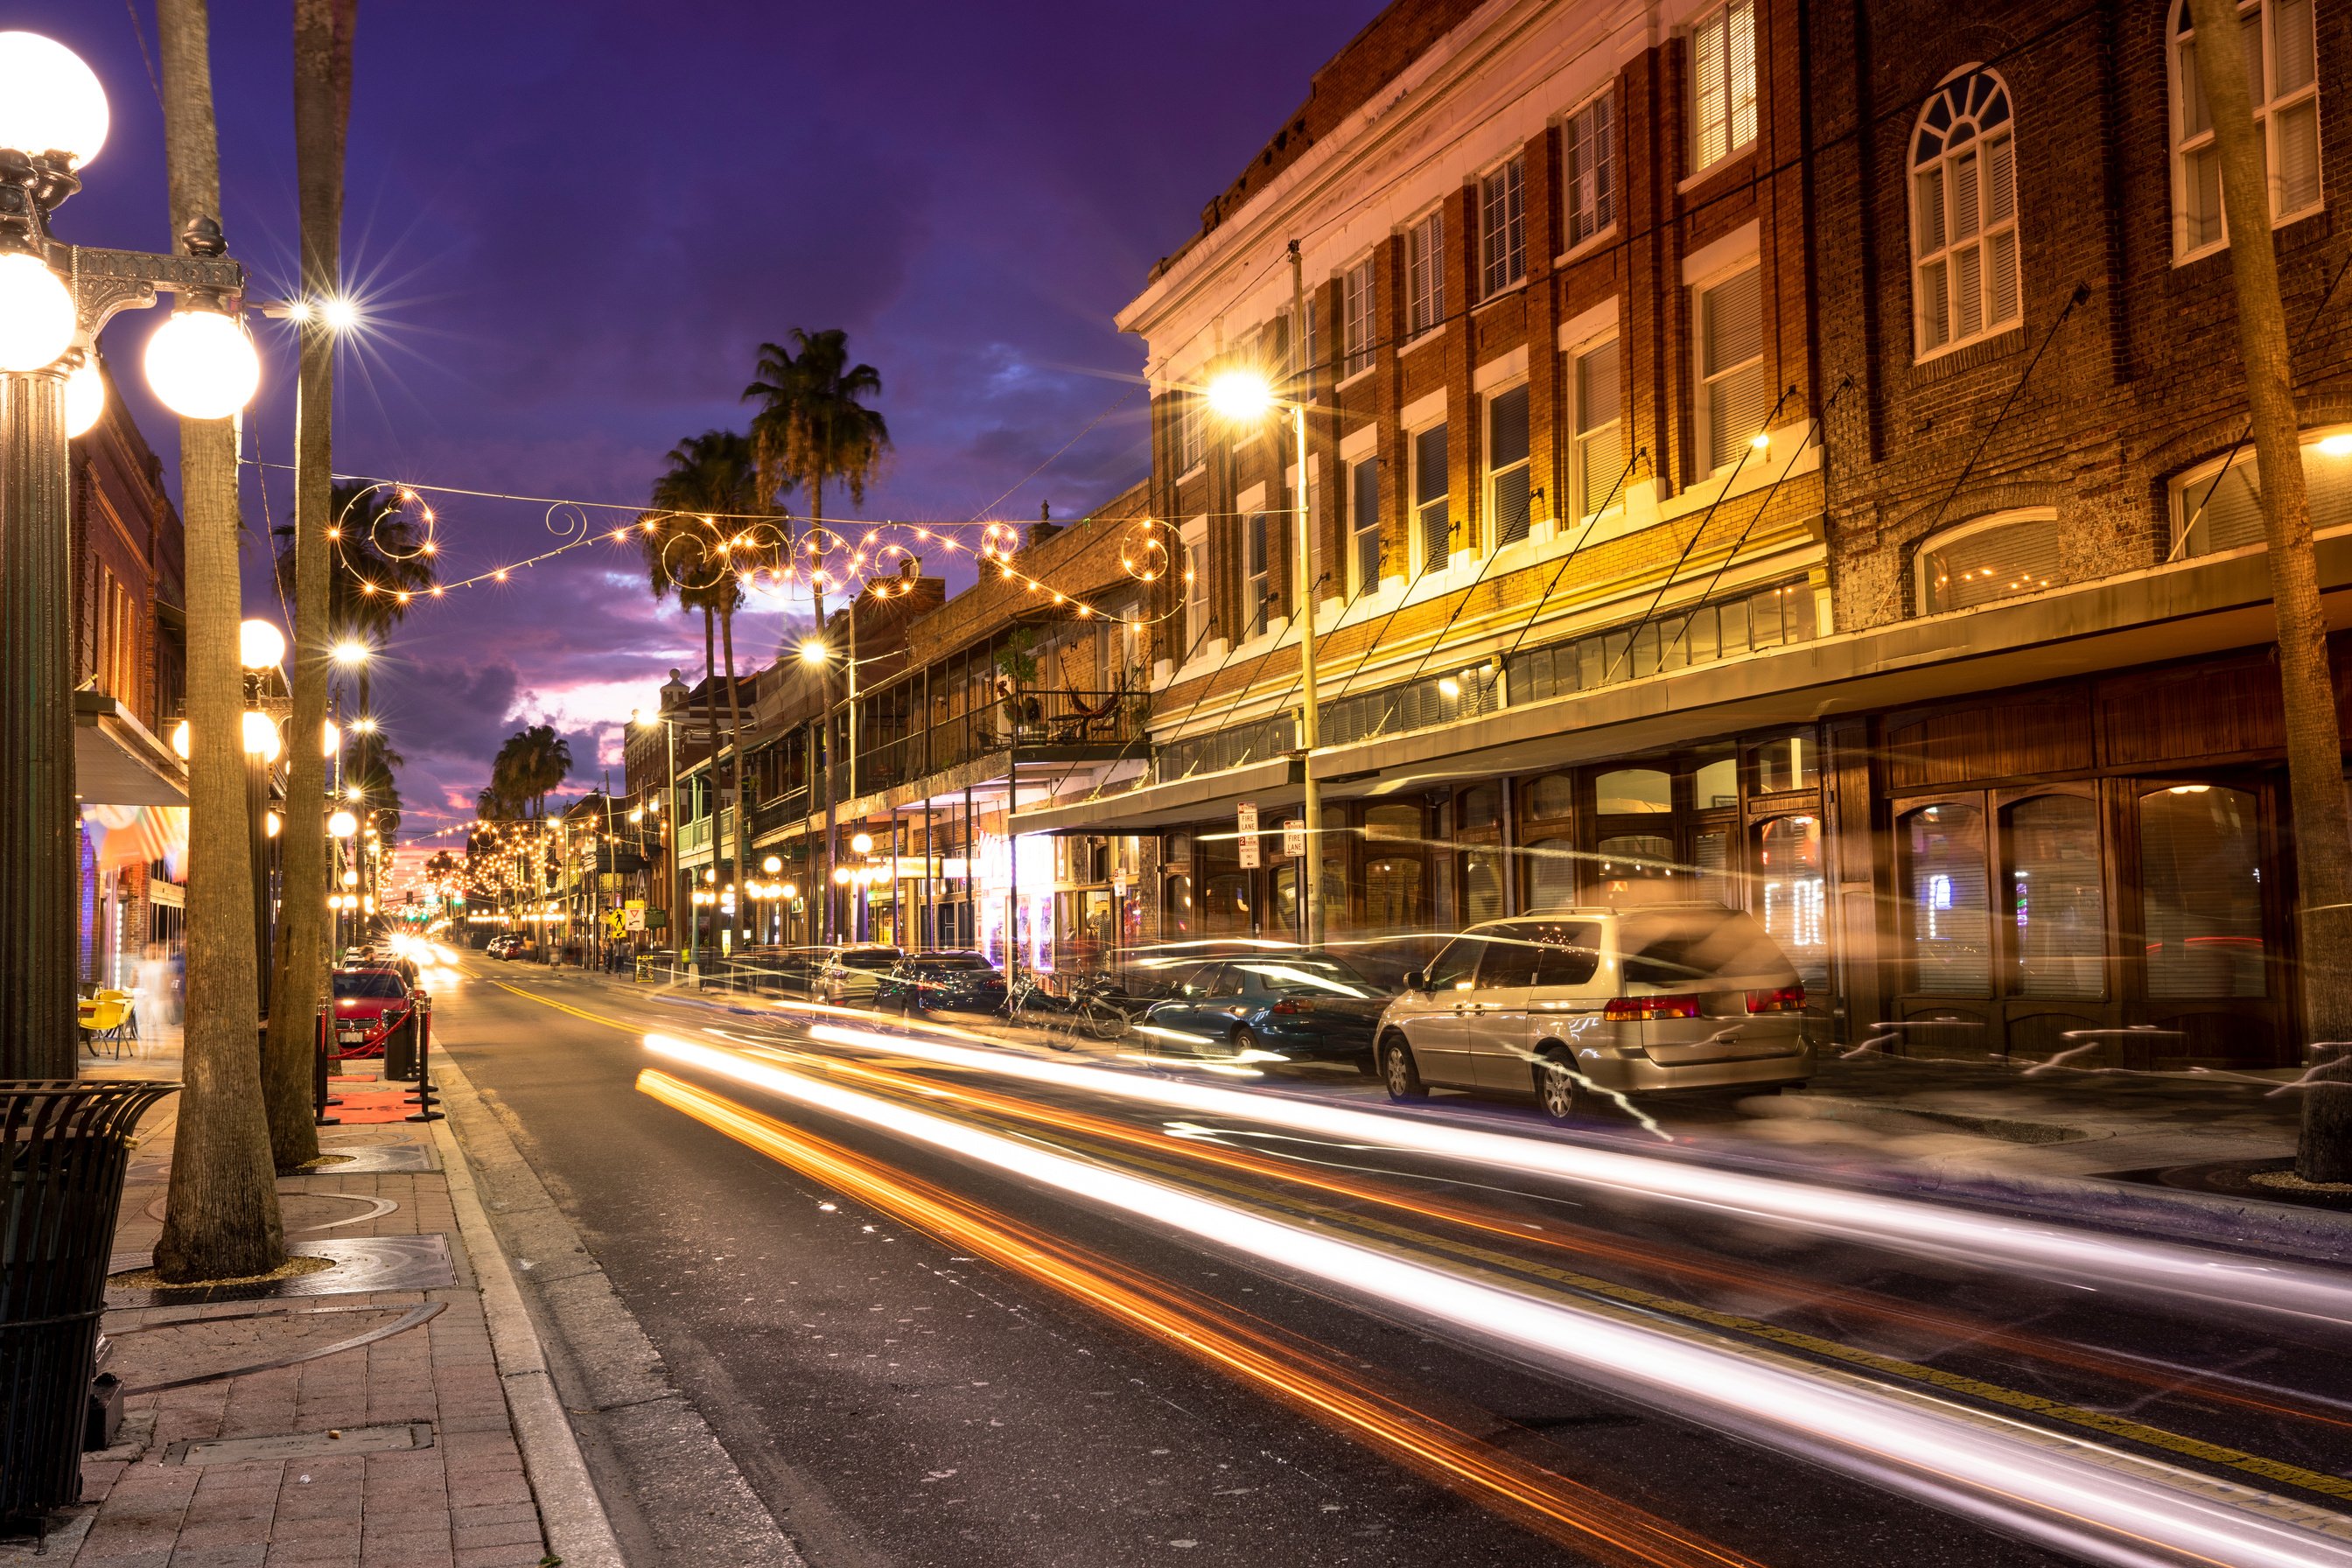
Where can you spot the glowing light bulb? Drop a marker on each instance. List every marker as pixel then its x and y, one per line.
pixel 201 365
pixel 50 101
pixel 260 737
pixel 36 314
pixel 85 398
pixel 259 645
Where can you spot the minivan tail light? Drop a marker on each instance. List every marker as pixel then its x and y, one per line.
pixel 1641 1009
pixel 1784 999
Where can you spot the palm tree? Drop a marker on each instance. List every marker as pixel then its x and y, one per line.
pixel 699 548
pixel 221 1218
pixel 323 97
pixel 814 425
pixel 2315 742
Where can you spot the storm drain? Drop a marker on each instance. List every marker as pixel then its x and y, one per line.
pixel 303 1444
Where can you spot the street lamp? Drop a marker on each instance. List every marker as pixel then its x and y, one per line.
pixel 53 300
pixel 646 718
pixel 1244 396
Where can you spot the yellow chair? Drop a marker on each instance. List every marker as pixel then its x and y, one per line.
pixel 103 1017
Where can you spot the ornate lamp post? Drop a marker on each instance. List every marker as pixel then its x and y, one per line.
pixel 53 298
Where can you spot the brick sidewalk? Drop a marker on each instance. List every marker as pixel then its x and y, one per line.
pixel 459 1498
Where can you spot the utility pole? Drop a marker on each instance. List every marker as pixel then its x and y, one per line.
pixel 1311 902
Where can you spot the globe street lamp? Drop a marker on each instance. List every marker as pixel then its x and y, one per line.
pixel 53 300
pixel 646 718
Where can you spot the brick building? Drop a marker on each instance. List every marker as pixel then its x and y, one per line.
pixel 130 669
pixel 1785 447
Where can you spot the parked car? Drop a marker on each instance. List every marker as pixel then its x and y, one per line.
pixel 940 983
pixel 503 945
pixel 1564 1004
pixel 1306 1005
pixel 369 1005
pixel 848 975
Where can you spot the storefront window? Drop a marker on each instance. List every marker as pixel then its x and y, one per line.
pixel 1789 761
pixel 1481 807
pixel 1225 905
pixel 1551 874
pixel 1633 792
pixel 2054 898
pixel 2200 891
pixel 1176 914
pixel 1482 886
pixel 1790 895
pixel 1950 926
pixel 1392 822
pixel 1392 893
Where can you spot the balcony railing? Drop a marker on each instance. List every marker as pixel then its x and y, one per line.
pixel 1034 718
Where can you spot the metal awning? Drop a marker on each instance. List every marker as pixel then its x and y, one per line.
pixel 2164 613
pixel 117 760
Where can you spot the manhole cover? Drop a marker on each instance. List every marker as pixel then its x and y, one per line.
pixel 302 1445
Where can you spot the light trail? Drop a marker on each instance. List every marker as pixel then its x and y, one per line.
pixel 1681 1263
pixel 1578 1517
pixel 2070 1496
pixel 2045 1250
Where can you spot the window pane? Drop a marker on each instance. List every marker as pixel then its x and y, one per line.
pixel 1506 427
pixel 2054 898
pixel 1512 500
pixel 1482 884
pixel 1927 211
pixel 1626 858
pixel 1632 792
pixel 2297 135
pixel 1429 464
pixel 2200 892
pixel 1482 806
pixel 2201 194
pixel 1551 873
pixel 1551 797
pixel 1791 762
pixel 2001 262
pixel 1738 405
pixel 1510 958
pixel 1790 894
pixel 2001 181
pixel 1949 925
pixel 1731 323
pixel 1364 501
pixel 1715 784
pixel 1967 287
pixel 1710 119
pixel 2291 46
pixel 1991 563
pixel 1711 864
pixel 2195 117
pixel 1934 305
pixel 1392 893
pixel 1740 70
pixel 1600 392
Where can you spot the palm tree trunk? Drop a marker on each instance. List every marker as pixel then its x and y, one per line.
pixel 2315 745
pixel 825 889
pixel 734 763
pixel 323 79
pixel 221 1216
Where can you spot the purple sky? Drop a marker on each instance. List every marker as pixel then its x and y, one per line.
pixel 573 224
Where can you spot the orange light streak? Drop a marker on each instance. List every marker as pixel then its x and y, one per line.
pixel 1575 1516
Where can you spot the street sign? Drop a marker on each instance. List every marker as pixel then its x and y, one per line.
pixel 1247 821
pixel 633 915
pixel 1294 840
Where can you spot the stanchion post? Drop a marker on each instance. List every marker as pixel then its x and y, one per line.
pixel 420 1017
pixel 319 1101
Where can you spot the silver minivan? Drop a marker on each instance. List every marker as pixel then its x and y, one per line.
pixel 1571 1004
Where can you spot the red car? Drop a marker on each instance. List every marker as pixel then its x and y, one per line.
pixel 369 1005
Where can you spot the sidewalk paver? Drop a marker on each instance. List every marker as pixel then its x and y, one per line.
pixel 270 1370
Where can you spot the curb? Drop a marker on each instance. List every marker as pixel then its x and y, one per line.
pixel 578 1532
pixel 2173 1214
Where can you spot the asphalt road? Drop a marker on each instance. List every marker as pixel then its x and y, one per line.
pixel 917 1355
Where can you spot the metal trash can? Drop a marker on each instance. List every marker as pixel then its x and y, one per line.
pixel 64 1146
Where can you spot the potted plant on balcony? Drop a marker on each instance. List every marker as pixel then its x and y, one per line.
pixel 1016 671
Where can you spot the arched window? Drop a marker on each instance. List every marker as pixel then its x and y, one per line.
pixel 1964 273
pixel 2282 70
pixel 2216 509
pixel 1999 557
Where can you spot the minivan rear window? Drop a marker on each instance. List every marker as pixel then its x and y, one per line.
pixel 1696 947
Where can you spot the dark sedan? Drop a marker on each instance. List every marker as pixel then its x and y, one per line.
pixel 1306 1006
pixel 940 983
